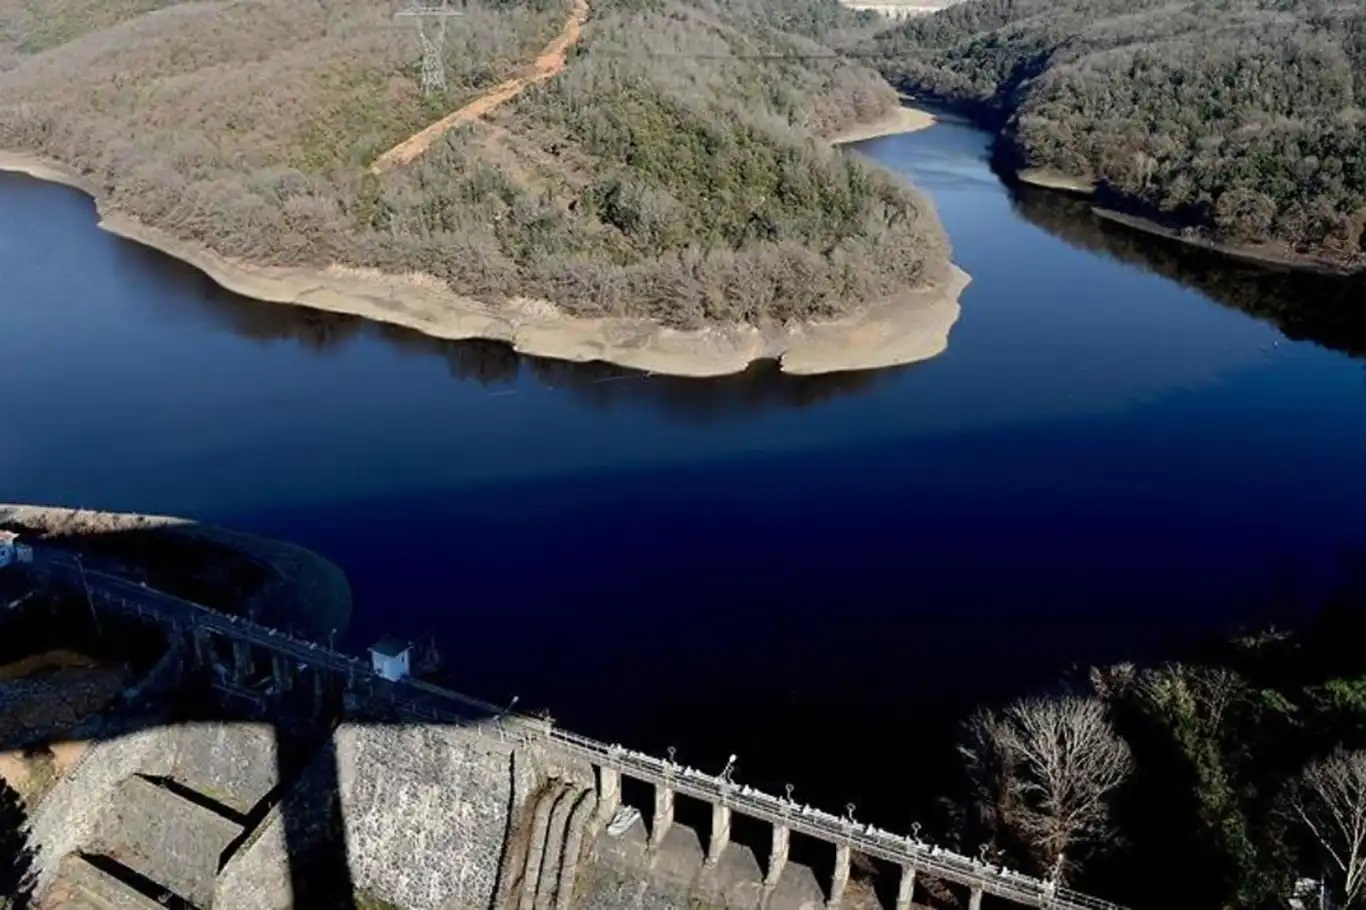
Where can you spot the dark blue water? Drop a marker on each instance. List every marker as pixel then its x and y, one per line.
pixel 1122 450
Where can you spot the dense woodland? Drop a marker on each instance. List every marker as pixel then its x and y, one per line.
pixel 1243 120
pixel 667 172
pixel 1215 781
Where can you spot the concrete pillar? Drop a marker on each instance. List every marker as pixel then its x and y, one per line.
pixel 203 652
pixel 905 892
pixel 843 856
pixel 664 814
pixel 720 833
pixel 319 693
pixel 241 661
pixel 609 792
pixel 777 858
pixel 975 899
pixel 282 672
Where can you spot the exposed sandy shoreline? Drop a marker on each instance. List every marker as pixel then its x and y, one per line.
pixel 911 327
pixel 902 120
pixel 1053 180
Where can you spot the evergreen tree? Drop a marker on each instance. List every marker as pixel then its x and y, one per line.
pixel 16 855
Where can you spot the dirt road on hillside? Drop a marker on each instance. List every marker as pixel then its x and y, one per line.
pixel 550 62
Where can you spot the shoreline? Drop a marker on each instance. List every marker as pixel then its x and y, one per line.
pixel 907 328
pixel 1056 181
pixel 1264 255
pixel 904 119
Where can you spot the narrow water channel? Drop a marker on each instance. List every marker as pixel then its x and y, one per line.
pixel 1125 447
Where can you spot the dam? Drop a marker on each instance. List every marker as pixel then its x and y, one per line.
pixel 310 766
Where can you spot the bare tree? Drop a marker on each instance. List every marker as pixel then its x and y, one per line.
pixel 1330 800
pixel 1206 694
pixel 1045 769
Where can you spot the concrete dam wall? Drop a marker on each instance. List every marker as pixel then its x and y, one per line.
pixel 450 818
pixel 427 814
pixel 319 783
pixel 433 818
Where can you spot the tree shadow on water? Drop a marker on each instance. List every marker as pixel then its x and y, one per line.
pixel 496 365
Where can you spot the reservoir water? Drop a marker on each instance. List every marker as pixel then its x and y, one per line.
pixel 1127 446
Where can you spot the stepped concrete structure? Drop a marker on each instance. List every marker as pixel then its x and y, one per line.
pixel 436 801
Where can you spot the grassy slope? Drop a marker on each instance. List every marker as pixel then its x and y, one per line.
pixel 643 180
pixel 1244 119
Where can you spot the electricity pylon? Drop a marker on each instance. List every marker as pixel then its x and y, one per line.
pixel 431 16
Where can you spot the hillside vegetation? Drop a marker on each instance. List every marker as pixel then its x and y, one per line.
pixel 1242 120
pixel 665 173
pixel 1210 769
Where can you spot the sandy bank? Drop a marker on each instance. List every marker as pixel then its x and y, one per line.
pixel 901 120
pixel 1053 180
pixel 1264 254
pixel 885 334
pixel 303 590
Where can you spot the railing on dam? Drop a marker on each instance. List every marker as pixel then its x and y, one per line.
pixel 421 700
pixel 904 851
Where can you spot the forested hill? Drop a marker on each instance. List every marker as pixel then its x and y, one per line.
pixel 673 170
pixel 1242 119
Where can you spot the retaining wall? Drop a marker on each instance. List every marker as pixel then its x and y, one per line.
pixel 161 835
pixel 432 818
pixel 231 763
pixel 69 816
pixel 228 762
pixel 444 797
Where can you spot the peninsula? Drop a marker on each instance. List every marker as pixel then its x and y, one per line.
pixel 651 184
pixel 1237 125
